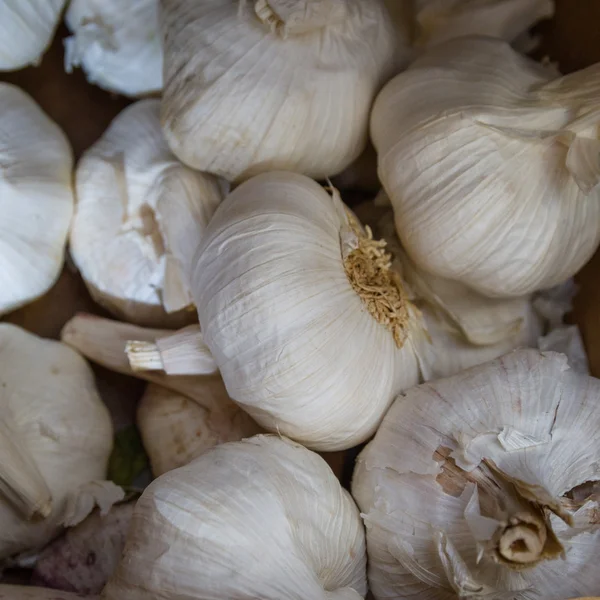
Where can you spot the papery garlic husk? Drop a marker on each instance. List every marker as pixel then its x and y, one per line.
pixel 438 21
pixel 491 166
pixel 86 556
pixel 467 488
pixel 257 85
pixel 311 331
pixel 55 438
pixel 26 592
pixel 117 43
pixel 126 233
pixel 36 199
pixel 464 328
pixel 265 518
pixel 175 429
pixel 26 30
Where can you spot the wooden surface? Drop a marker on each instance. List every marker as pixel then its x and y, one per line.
pixel 572 39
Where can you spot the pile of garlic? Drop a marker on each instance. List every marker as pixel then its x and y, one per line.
pixel 274 317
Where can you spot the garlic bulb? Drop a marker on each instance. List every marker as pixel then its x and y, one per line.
pixel 126 233
pixel 311 331
pixel 55 438
pixel 36 199
pixel 26 30
pixel 26 592
pixel 470 486
pixel 258 85
pixel 117 43
pixel 176 429
pixel 473 132
pixel 438 21
pixel 265 518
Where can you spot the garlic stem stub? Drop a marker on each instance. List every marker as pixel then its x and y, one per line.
pixel 117 43
pixel 309 326
pixel 490 162
pixel 307 72
pixel 265 518
pixel 126 233
pixel 36 199
pixel 55 438
pixel 26 30
pixel 480 484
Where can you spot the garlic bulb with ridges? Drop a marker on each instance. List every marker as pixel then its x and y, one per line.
pixel 117 43
pixel 491 138
pixel 56 436
pixel 26 30
pixel 125 233
pixel 266 518
pixel 438 21
pixel 175 429
pixel 473 485
pixel 257 85
pixel 311 331
pixel 36 199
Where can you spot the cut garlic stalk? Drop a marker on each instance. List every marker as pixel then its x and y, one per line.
pixel 117 43
pixel 474 485
pixel 176 429
pixel 26 30
pixel 36 199
pixel 125 234
pixel 55 439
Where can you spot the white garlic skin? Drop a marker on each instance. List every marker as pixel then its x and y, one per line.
pixel 295 344
pixel 117 43
pixel 530 395
pixel 240 99
pixel 48 398
pixel 176 429
pixel 129 186
pixel 36 199
pixel 26 30
pixel 265 518
pixel 462 138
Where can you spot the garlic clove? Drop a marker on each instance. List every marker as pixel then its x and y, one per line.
pixel 49 402
pixel 117 43
pixel 308 72
pixel 266 518
pixel 26 592
pixel 123 238
pixel 438 21
pixel 36 199
pixel 26 30
pixel 471 483
pixel 175 429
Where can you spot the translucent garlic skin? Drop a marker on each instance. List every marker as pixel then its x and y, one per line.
pixel 294 342
pixel 117 43
pixel 26 30
pixel 36 198
pixel 125 237
pixel 488 160
pixel 265 518
pixel 261 85
pixel 49 402
pixel 527 418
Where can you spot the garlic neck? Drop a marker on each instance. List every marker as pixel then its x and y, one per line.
pixel 368 268
pixel 523 539
pixel 293 17
pixel 21 483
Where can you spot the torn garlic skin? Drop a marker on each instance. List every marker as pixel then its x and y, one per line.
pixel 55 438
pixel 26 30
pixel 36 199
pixel 264 518
pixel 128 238
pixel 480 485
pixel 117 43
pixel 472 132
